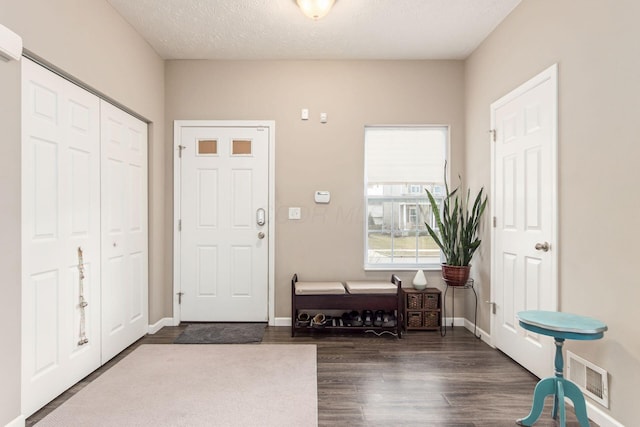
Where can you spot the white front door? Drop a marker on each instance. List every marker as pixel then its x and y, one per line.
pixel 60 215
pixel 524 254
pixel 223 223
pixel 124 230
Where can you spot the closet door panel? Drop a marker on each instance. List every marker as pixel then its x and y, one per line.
pixel 60 214
pixel 124 230
pixel 80 170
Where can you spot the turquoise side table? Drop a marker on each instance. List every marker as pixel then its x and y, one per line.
pixel 560 326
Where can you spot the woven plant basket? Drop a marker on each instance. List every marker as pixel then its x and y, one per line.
pixel 414 301
pixel 431 320
pixel 414 319
pixel 455 275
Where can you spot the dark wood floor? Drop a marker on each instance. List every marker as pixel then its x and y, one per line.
pixel 421 380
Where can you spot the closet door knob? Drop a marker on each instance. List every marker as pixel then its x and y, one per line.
pixel 544 247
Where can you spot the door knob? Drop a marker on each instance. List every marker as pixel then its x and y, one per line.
pixel 261 235
pixel 544 247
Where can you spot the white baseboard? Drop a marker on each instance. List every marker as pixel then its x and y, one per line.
pixel 461 321
pixel 166 321
pixel 597 415
pixel 282 321
pixel 18 422
pixel 457 321
pixel 484 336
pixel 600 417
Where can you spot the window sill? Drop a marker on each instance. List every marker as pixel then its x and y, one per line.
pixel 391 268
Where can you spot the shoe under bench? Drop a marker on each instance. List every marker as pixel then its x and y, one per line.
pixel 329 296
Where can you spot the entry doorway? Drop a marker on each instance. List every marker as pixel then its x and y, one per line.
pixel 224 228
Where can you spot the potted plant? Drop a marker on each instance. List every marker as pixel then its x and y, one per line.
pixel 457 230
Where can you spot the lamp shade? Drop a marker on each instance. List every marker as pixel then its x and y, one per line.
pixel 315 9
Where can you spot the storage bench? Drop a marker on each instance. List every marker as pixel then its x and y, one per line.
pixel 352 295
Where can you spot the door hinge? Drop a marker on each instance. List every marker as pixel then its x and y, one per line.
pixel 494 222
pixel 180 148
pixel 493 134
pixel 179 225
pixel 180 297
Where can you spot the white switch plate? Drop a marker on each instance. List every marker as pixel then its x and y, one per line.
pixel 323 117
pixel 295 213
pixel 304 114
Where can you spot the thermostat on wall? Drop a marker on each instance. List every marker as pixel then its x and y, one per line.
pixel 322 196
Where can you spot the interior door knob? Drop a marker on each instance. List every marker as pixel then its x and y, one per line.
pixel 544 247
pixel 261 235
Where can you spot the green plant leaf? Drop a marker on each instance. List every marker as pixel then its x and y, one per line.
pixel 458 226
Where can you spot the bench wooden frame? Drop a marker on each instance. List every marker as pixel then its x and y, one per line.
pixel 348 302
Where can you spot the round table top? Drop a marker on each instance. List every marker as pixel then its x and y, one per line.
pixel 554 321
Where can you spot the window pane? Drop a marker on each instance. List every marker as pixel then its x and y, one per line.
pixel 397 233
pixel 207 146
pixel 375 215
pixel 379 248
pixel 241 147
pixel 428 250
pixel 400 164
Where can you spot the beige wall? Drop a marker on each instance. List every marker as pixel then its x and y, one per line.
pixel 328 242
pixel 88 40
pixel 595 44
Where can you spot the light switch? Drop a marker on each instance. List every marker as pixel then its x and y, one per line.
pixel 295 213
pixel 323 117
pixel 304 114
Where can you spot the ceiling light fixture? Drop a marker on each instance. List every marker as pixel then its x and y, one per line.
pixel 315 9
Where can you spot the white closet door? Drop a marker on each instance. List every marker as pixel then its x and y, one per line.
pixel 124 230
pixel 60 213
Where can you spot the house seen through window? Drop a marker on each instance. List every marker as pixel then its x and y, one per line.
pixel 401 162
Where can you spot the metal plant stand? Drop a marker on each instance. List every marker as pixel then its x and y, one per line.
pixel 468 285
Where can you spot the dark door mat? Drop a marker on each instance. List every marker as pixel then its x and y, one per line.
pixel 222 333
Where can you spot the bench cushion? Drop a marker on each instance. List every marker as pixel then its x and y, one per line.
pixel 319 288
pixel 367 287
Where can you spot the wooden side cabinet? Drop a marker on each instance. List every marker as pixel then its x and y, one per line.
pixel 422 310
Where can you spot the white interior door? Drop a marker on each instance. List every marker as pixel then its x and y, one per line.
pixel 224 213
pixel 124 230
pixel 60 213
pixel 524 273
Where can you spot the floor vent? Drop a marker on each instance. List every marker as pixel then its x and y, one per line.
pixel 592 380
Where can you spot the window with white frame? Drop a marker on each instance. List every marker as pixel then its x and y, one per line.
pixel 401 162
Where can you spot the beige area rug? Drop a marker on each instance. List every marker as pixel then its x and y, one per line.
pixel 200 385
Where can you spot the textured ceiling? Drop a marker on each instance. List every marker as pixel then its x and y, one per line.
pixel 276 29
